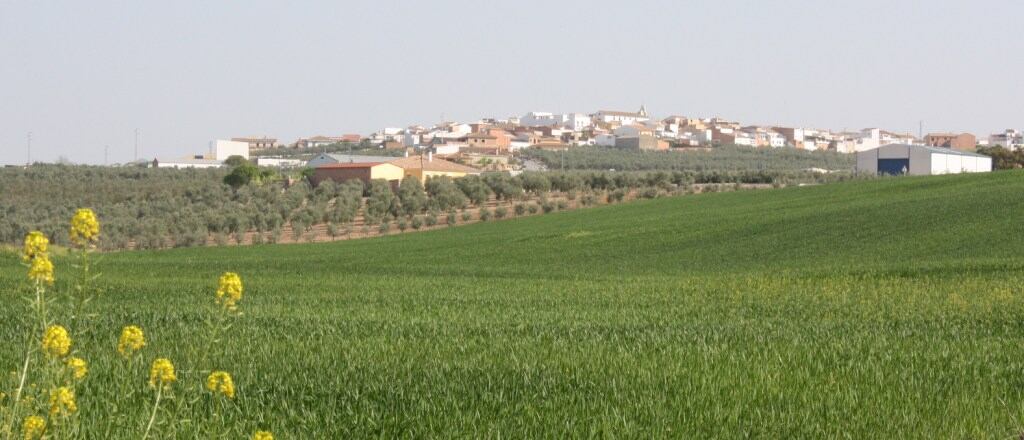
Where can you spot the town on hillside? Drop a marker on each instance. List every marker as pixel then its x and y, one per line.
pixel 491 144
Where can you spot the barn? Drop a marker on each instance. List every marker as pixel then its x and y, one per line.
pixel 920 160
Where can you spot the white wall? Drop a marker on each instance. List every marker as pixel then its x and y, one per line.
pixel 605 140
pixel 223 149
pixel 867 161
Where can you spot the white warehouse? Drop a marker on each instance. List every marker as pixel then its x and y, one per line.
pixel 920 160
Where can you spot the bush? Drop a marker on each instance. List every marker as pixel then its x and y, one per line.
pixel 402 225
pixel 417 222
pixel 384 227
pixel 616 196
pixel 548 207
pixel 588 199
pixel 485 214
pixel 452 221
pixel 466 216
pixel 500 212
pixel 520 209
pixel 649 193
pixel 533 208
pixel 431 219
pixel 562 205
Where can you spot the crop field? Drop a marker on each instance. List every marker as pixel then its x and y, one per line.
pixel 891 308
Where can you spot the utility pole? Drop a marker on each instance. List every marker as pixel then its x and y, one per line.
pixel 106 156
pixel 29 148
pixel 136 144
pixel 920 129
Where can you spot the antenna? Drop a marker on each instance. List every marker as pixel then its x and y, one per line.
pixel 29 148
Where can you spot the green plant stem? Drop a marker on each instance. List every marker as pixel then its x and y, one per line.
pixel 156 405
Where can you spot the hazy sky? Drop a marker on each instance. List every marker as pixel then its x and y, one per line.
pixel 83 74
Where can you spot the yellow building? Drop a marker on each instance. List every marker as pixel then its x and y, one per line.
pixel 340 172
pixel 422 167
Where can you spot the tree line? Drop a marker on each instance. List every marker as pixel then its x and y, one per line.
pixel 158 208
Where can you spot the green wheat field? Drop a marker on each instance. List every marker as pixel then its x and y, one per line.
pixel 875 309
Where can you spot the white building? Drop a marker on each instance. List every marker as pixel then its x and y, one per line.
pixel 188 162
pixel 920 160
pixel 1010 139
pixel 539 119
pixel 575 121
pixel 223 149
pixel 278 162
pixel 623 118
pixel 605 140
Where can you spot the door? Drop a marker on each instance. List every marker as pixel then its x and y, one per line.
pixel 893 167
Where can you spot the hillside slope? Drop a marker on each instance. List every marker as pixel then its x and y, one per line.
pixel 880 309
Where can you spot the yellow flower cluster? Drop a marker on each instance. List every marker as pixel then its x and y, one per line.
pixel 79 368
pixel 84 227
pixel 162 373
pixel 262 435
pixel 220 382
pixel 33 427
pixel 35 244
pixel 229 292
pixel 62 401
pixel 41 269
pixel 56 341
pixel 131 340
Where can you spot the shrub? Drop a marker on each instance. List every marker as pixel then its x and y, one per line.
pixel 417 222
pixel 431 219
pixel 485 214
pixel 500 212
pixel 548 207
pixel 562 205
pixel 520 209
pixel 402 224
pixel 649 193
pixel 533 208
pixel 383 229
pixel 452 221
pixel 466 216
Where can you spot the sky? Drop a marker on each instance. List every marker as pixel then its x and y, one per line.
pixel 83 76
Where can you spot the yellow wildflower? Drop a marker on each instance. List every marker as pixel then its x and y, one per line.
pixel 84 227
pixel 162 373
pixel 41 269
pixel 62 401
pixel 56 341
pixel 230 290
pixel 220 382
pixel 79 368
pixel 132 340
pixel 35 244
pixel 262 435
pixel 33 427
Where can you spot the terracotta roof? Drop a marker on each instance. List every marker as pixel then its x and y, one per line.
pixel 417 162
pixel 351 165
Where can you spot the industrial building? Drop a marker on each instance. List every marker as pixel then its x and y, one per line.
pixel 920 160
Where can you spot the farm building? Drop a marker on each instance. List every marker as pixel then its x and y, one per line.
pixel 423 167
pixel 920 160
pixel 328 158
pixel 366 171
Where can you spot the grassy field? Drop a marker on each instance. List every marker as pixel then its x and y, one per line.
pixel 878 309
